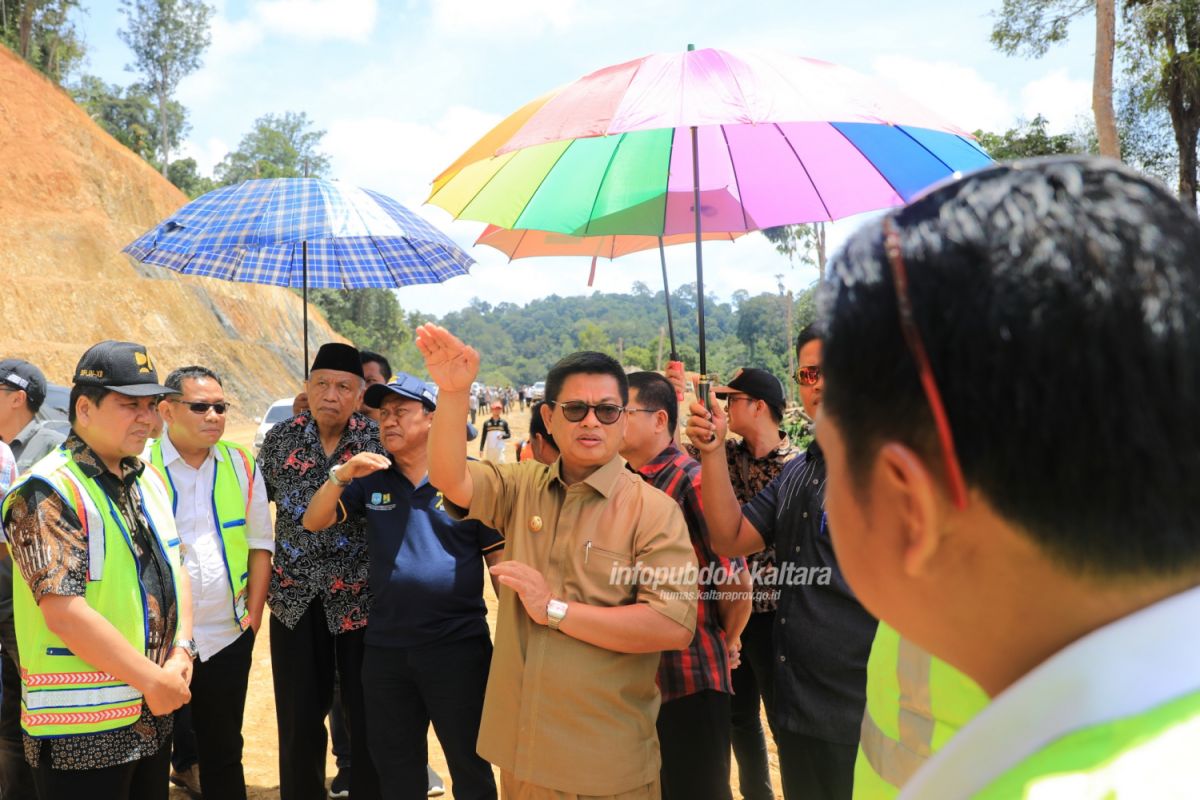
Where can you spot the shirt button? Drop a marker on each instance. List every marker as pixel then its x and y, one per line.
pixel 806 515
pixel 797 548
pixel 783 658
pixel 815 481
pixel 783 620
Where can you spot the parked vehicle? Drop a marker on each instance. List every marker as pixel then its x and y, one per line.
pixel 537 391
pixel 278 412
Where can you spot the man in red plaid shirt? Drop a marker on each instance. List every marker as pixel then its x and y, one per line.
pixel 694 720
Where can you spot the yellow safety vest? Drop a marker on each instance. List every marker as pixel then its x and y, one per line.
pixel 915 704
pixel 61 694
pixel 233 486
pixel 1148 754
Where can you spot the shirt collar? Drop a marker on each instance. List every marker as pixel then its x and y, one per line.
pixel 170 454
pixel 1136 663
pixel 28 432
pixel 90 464
pixel 603 480
pixel 660 461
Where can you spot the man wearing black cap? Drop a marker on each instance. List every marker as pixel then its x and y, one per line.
pixel 319 595
pixel 103 608
pixel 427 647
pixel 22 392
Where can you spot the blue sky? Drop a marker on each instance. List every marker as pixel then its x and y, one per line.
pixel 402 87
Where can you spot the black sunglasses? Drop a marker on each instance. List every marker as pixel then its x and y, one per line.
pixel 576 410
pixel 202 408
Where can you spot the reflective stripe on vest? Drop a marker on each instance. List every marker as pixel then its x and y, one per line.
pixel 61 694
pixel 233 488
pixel 1151 754
pixel 915 703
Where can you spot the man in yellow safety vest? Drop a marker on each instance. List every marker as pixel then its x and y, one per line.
pixel 224 524
pixel 1013 451
pixel 102 607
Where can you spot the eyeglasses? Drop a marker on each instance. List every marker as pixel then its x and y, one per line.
pixel 730 398
pixel 912 337
pixel 807 376
pixel 576 410
pixel 202 408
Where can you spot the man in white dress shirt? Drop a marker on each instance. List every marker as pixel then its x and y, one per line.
pixel 226 538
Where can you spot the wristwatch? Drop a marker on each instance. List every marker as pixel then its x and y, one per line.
pixel 556 612
pixel 336 480
pixel 188 645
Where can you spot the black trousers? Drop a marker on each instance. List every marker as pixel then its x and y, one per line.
pixel 752 680
pixel 16 779
pixel 218 703
pixel 693 734
pixel 145 779
pixel 815 768
pixel 406 688
pixel 304 661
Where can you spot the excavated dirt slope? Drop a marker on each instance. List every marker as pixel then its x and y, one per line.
pixel 70 198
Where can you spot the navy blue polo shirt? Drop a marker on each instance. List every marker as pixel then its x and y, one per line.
pixel 426 569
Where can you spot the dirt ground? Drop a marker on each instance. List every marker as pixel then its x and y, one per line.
pixel 260 758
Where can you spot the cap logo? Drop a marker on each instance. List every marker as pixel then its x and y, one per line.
pixel 16 380
pixel 144 363
pixel 92 373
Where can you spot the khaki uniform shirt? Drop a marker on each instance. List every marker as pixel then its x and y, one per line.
pixel 559 712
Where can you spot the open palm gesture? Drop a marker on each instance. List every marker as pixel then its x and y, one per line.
pixel 451 364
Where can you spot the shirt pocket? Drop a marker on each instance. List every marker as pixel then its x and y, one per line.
pixel 602 576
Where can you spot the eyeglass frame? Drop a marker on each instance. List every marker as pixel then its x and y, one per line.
pixel 816 380
pixel 588 408
pixel 191 404
pixel 892 247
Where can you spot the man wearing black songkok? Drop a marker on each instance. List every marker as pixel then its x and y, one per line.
pixel 319 594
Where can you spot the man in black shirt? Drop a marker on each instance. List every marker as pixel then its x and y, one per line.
pixel 822 634
pixel 494 423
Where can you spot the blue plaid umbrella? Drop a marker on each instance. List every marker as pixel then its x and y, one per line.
pixel 301 232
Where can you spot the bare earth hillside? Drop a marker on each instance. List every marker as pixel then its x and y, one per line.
pixel 70 198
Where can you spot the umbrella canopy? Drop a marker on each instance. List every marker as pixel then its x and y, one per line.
pixel 531 244
pixel 780 140
pixel 276 230
pixel 302 233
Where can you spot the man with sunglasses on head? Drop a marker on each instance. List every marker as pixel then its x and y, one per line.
pixel 822 634
pixel 978 341
pixel 224 524
pixel 571 698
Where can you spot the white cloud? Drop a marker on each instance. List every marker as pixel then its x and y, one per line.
pixel 956 92
pixel 524 18
pixel 318 20
pixel 1059 98
pixel 207 153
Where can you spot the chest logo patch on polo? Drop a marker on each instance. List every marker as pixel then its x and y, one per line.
pixel 381 501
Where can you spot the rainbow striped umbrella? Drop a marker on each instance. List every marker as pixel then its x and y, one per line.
pixel 704 140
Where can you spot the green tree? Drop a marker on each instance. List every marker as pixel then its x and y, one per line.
pixel 43 33
pixel 1031 27
pixel 130 115
pixel 1027 140
pixel 1163 49
pixel 184 174
pixel 803 243
pixel 168 38
pixel 283 146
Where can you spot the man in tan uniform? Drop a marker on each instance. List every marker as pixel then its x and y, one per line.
pixel 599 578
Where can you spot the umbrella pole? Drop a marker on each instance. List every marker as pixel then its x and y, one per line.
pixel 662 257
pixel 304 290
pixel 704 381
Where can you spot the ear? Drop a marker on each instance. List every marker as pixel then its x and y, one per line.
pixel 547 413
pixel 83 410
pixel 166 412
pixel 909 488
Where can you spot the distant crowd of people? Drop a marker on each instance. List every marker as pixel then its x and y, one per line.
pixel 981 579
